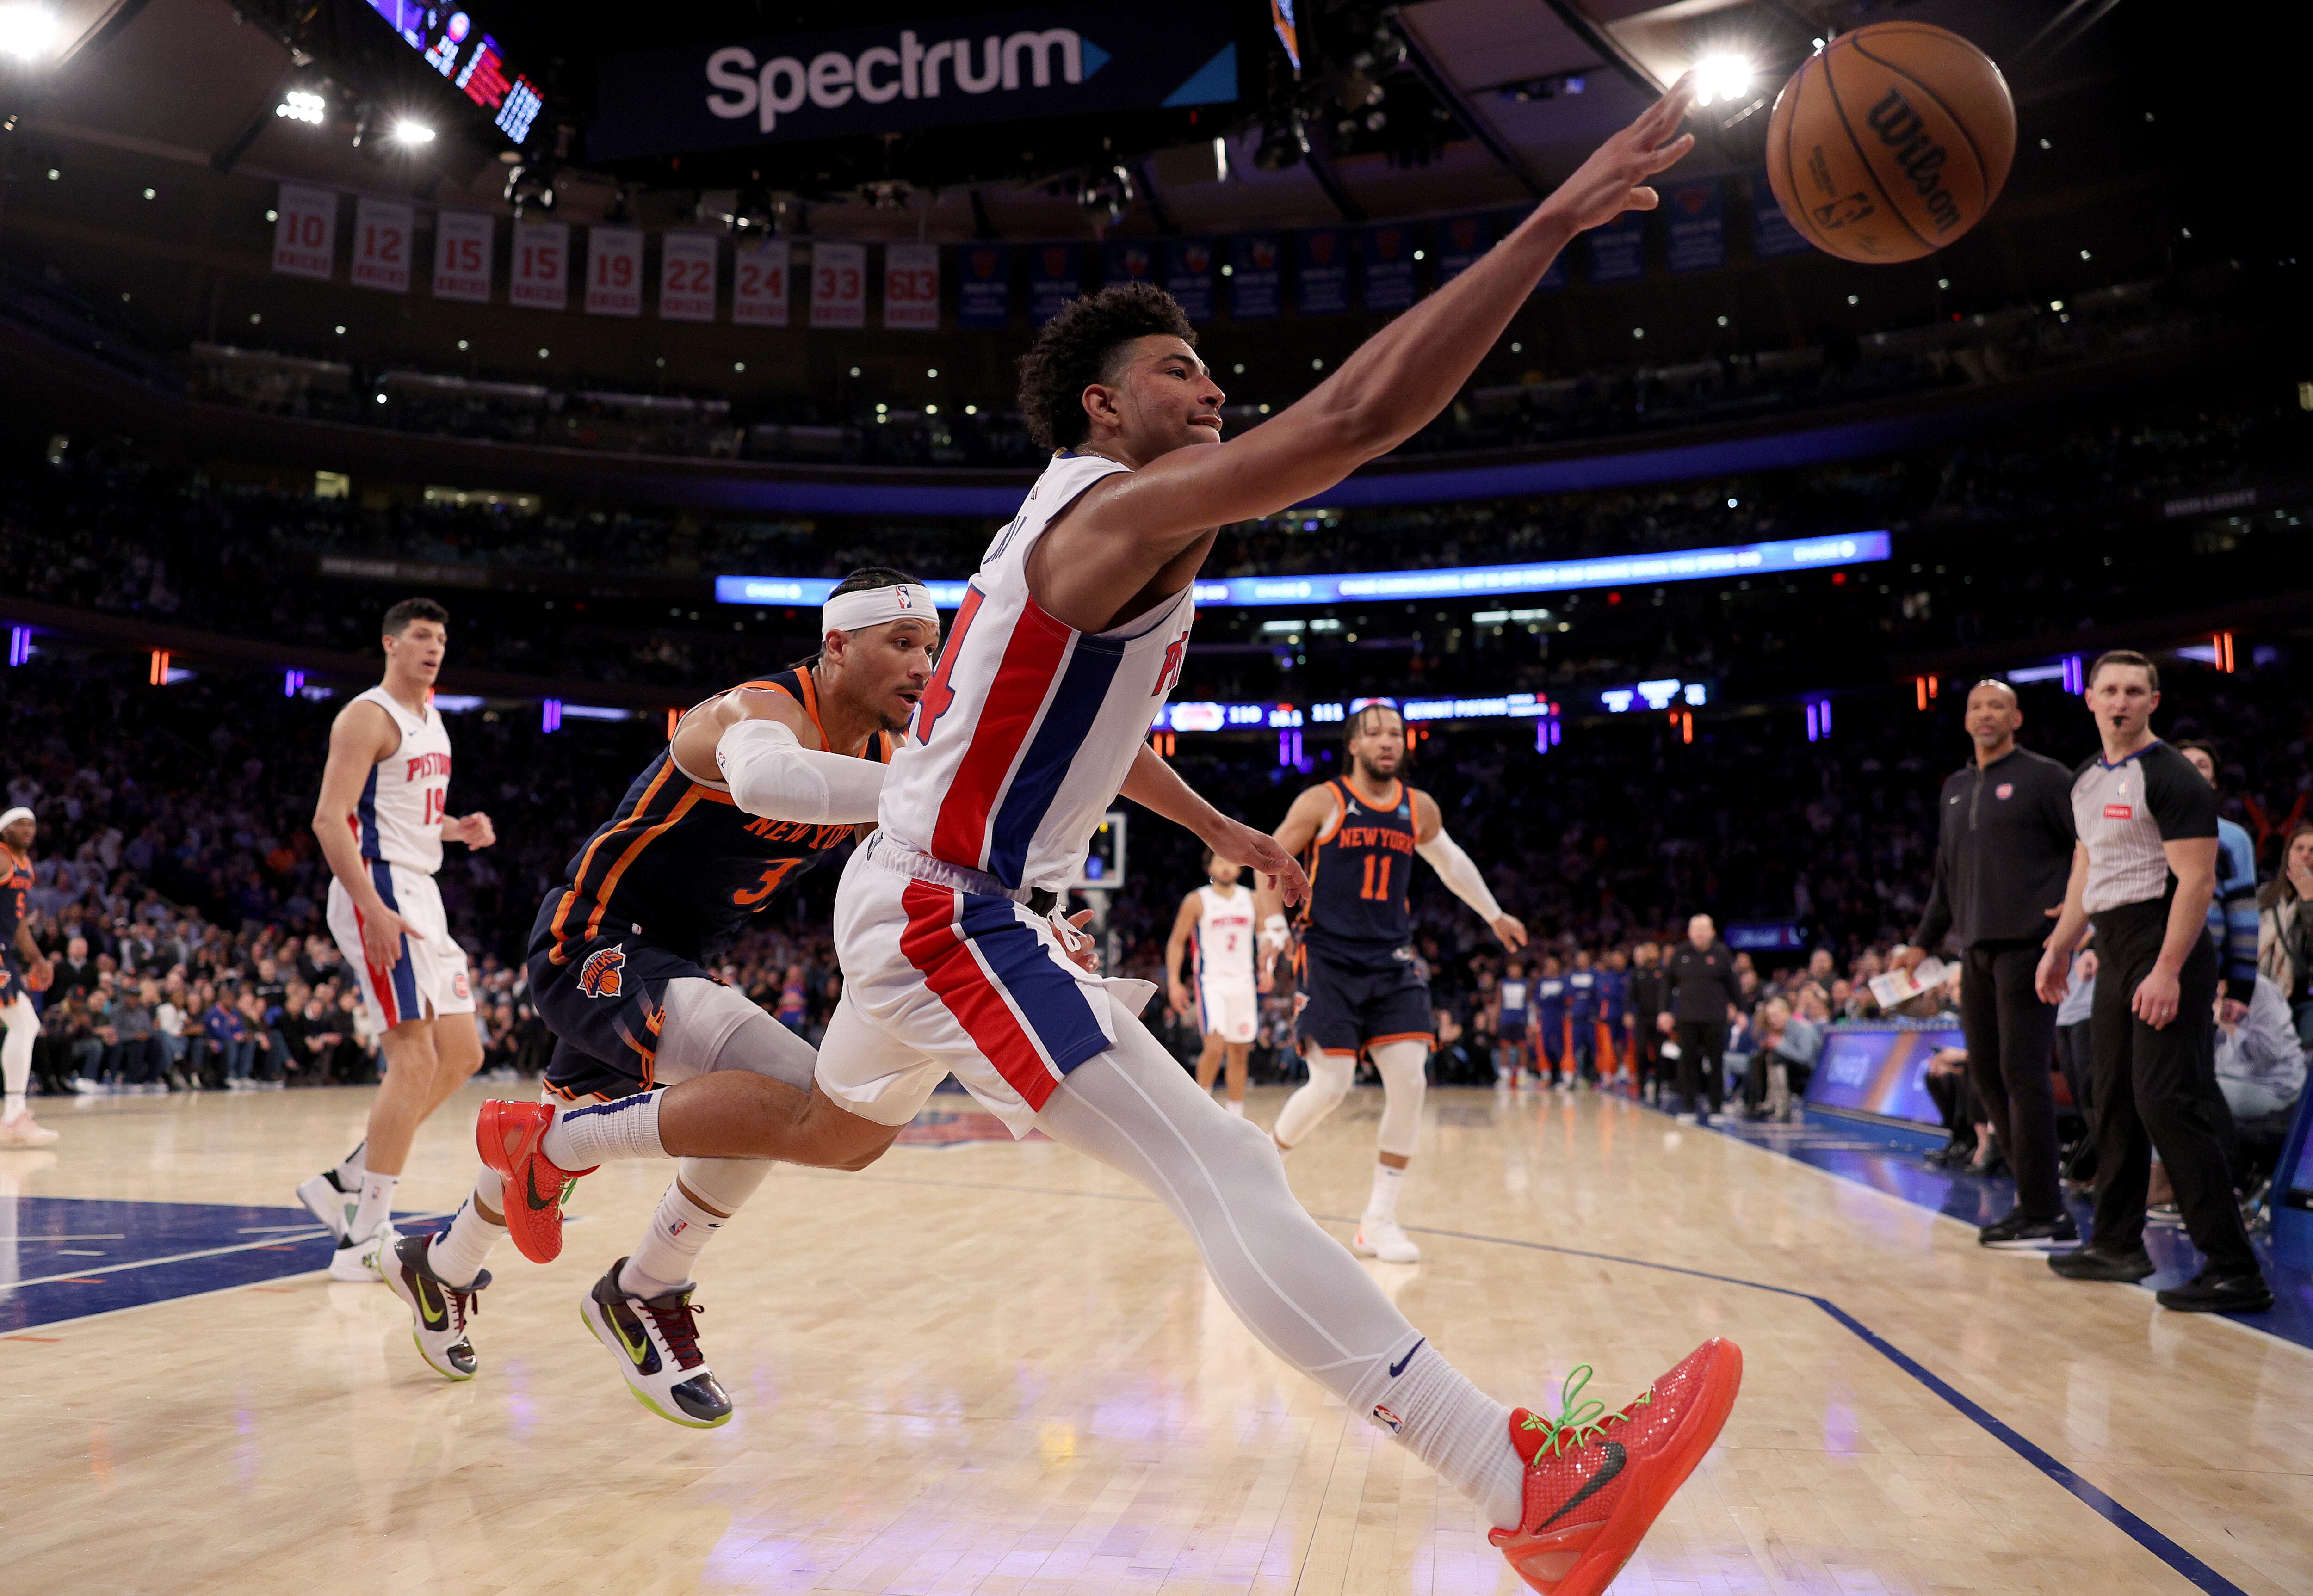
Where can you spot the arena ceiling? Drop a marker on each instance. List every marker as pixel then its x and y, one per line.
pixel 1395 110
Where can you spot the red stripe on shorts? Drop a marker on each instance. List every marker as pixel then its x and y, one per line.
pixel 936 945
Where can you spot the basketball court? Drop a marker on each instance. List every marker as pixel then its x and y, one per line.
pixel 988 1367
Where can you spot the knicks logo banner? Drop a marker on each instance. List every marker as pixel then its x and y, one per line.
pixel 605 973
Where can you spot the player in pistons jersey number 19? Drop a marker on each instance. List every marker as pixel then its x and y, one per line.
pixel 1071 636
pixel 381 818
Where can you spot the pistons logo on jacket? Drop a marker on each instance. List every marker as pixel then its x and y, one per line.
pixel 603 974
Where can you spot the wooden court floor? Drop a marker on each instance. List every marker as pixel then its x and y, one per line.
pixel 988 1367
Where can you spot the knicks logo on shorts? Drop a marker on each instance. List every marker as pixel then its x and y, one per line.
pixel 604 973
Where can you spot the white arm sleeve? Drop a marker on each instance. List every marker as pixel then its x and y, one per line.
pixel 772 775
pixel 1460 874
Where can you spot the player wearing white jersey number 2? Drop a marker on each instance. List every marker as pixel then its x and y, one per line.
pixel 381 818
pixel 1067 642
pixel 1215 929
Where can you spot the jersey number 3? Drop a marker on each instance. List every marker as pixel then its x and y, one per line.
pixel 773 874
pixel 1377 881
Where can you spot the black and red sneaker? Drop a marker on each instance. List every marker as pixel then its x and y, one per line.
pixel 1595 1481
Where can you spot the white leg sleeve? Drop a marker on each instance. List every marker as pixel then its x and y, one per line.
pixel 1328 1084
pixel 1294 1287
pixel 1403 1080
pixel 16 1051
pixel 710 1027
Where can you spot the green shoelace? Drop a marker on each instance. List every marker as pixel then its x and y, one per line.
pixel 1577 1426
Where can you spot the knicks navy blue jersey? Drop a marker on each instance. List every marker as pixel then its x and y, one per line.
pixel 683 864
pixel 15 891
pixel 1358 872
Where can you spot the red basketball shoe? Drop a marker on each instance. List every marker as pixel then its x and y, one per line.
pixel 1595 1480
pixel 510 1137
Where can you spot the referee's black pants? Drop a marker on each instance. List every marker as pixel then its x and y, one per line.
pixel 2153 1089
pixel 2011 1038
pixel 1703 1063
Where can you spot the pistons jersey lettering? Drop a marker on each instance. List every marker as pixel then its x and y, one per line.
pixel 398 818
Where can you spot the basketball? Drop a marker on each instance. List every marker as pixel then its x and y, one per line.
pixel 1891 142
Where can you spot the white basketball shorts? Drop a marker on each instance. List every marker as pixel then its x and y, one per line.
pixel 430 975
pixel 938 981
pixel 1230 1010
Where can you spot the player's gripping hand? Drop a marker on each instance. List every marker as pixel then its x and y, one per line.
pixel 1259 851
pixel 1076 942
pixel 1511 929
pixel 1613 179
pixel 474 830
pixel 382 931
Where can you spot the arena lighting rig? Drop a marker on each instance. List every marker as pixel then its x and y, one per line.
pixel 1684 565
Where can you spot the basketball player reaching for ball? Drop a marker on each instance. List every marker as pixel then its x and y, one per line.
pixel 381 818
pixel 1216 925
pixel 757 786
pixel 25 970
pixel 1361 990
pixel 1069 638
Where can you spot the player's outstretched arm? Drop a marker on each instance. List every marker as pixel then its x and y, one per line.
pixel 1155 785
pixel 770 755
pixel 1404 375
pixel 360 736
pixel 1184 925
pixel 1310 814
pixel 1459 871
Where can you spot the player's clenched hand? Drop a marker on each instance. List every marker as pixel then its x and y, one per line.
pixel 382 931
pixel 1511 930
pixel 474 830
pixel 2155 999
pixel 1259 851
pixel 1613 179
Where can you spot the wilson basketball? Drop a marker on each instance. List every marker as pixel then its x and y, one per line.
pixel 1891 142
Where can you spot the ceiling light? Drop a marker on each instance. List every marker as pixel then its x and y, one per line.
pixel 301 105
pixel 28 32
pixel 408 132
pixel 1723 77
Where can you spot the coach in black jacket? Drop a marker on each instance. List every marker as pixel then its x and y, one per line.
pixel 1703 993
pixel 2003 856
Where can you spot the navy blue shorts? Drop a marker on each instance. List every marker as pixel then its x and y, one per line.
pixel 604 999
pixel 1347 1005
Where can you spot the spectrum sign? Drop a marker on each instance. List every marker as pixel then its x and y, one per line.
pixel 1686 564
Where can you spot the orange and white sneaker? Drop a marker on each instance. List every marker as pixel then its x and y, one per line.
pixel 1595 1480
pixel 511 1137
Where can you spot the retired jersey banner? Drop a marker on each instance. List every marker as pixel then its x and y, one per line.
pixel 911 288
pixel 1388 253
pixel 1055 277
pixel 384 233
pixel 1694 213
pixel 1323 278
pixel 1771 233
pixel 305 231
pixel 1256 279
pixel 1189 268
pixel 1128 260
pixel 686 277
pixel 1460 241
pixel 983 292
pixel 464 242
pixel 614 271
pixel 1618 250
pixel 541 266
pixel 894 77
pixel 758 284
pixel 839 284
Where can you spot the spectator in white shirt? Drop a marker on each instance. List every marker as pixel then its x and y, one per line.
pixel 2260 1064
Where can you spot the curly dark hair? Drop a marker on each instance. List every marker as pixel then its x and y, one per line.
pixel 1079 348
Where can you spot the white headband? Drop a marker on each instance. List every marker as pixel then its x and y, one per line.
pixel 873 605
pixel 18 813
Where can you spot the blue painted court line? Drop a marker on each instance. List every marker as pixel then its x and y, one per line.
pixel 66 1257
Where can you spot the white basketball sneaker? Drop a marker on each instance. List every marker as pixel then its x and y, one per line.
pixel 24 1131
pixel 366 1259
pixel 655 1342
pixel 1386 1240
pixel 330 1202
pixel 439 1309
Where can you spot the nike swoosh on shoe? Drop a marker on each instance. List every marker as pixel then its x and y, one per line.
pixel 1612 1458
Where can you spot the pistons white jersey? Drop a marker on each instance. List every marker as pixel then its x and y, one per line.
pixel 399 816
pixel 1224 941
pixel 1027 729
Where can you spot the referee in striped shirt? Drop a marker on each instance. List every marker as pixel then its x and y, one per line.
pixel 2143 873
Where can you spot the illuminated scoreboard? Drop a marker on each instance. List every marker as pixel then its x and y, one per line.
pixel 453 45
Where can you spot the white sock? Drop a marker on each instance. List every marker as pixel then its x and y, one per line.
pixel 376 1207
pixel 15 1106
pixel 1460 1432
pixel 671 1244
pixel 1383 1202
pixel 16 1054
pixel 350 1168
pixel 1235 1106
pixel 581 1138
pixel 458 1254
